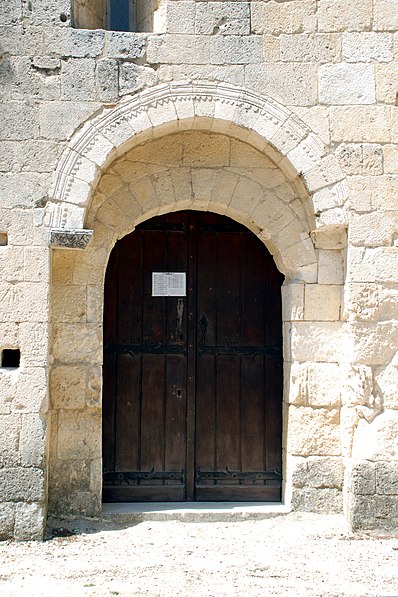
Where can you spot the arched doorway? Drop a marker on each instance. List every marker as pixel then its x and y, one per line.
pixel 192 404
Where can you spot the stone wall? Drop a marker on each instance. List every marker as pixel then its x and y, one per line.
pixel 325 136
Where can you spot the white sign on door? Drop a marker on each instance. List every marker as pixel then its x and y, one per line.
pixel 168 284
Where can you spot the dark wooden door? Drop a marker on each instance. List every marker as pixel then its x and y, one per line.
pixel 192 405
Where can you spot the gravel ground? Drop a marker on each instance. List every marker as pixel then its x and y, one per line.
pixel 297 554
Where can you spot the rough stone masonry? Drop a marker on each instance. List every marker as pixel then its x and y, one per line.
pixel 281 114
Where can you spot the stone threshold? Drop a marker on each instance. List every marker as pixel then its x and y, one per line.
pixel 192 511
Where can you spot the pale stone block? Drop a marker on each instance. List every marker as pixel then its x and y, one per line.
pixel 299 16
pixel 12 264
pixel 69 304
pixel 125 45
pixel 330 267
pixel 331 197
pixel 373 264
pixel 10 429
pixel 361 301
pixel 377 441
pixel 34 81
pixel 31 390
pixel 314 384
pixel 387 478
pixel 10 12
pixel 322 303
pixel 224 18
pixel 373 343
pixel 386 87
pixel 356 124
pixel 313 432
pixel 373 229
pixel 367 47
pixel 362 478
pixel 78 79
pixel 63 264
pixel 317 119
pixel 33 340
pixel 236 49
pixel 79 435
pixel 86 340
pixel 290 83
pixel 7 519
pixel 202 149
pixel 388 300
pixel 29 156
pixel 133 78
pixel 386 379
pixel 385 16
pixel 19 121
pixel 30 520
pixel 320 342
pixel 233 74
pixel 58 120
pixel 326 172
pixel 320 473
pixel 107 79
pixel 322 501
pixel 179 49
pixel 19 41
pixel 180 17
pixel 22 484
pixel 390 155
pixel 36 264
pixel 22 189
pixel 364 158
pixel 337 15
pixel 341 84
pixel 357 386
pixel 293 302
pixel 32 440
pixel 316 48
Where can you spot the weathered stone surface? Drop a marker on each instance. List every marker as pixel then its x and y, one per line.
pixel 314 384
pixel 29 522
pixel 313 432
pixel 7 520
pixel 347 84
pixel 79 435
pixel 70 239
pixel 387 478
pixel 318 500
pixel 22 484
pixel 378 440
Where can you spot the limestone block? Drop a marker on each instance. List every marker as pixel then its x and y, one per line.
pixel 7 518
pixel 10 429
pixel 29 156
pixel 293 302
pixel 315 48
pixel 377 441
pixel 325 172
pixel 330 267
pixel 292 84
pixel 388 298
pixel 32 440
pixel 341 84
pixel 367 47
pixel 74 504
pixel 329 198
pixel 373 229
pixel 49 12
pixel 69 304
pixel 337 15
pixel 386 87
pixel 362 512
pixel 36 264
pixel 19 41
pixel 79 435
pixel 364 158
pixel 320 473
pixel 348 421
pixel 373 343
pixel 357 124
pixel 385 16
pixel 314 384
pixel 78 79
pixel 34 81
pixel 30 520
pixel 71 474
pixel 58 121
pixel 386 379
pixel 12 264
pixel 8 381
pixel 299 16
pixel 233 74
pixel 363 478
pixel 125 45
pixel 224 18
pixel 387 478
pixel 390 158
pixel 19 121
pixel 33 340
pixel 68 386
pixel 74 43
pixel 107 73
pixel 22 189
pixel 313 432
pixel 322 302
pixel 373 264
pixel 133 78
pixel 31 390
pixel 75 343
pixel 236 49
pixel 10 12
pixel 322 501
pixel 22 484
pixel 320 342
pixel 179 49
pixel 180 17
pixel 357 385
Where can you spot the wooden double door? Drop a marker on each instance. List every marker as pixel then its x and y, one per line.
pixel 192 364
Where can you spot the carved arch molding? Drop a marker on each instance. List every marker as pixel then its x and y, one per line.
pixel 168 108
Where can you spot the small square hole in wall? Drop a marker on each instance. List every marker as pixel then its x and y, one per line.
pixel 10 358
pixel 3 239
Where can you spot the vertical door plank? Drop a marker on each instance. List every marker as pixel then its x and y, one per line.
pixel 206 403
pixel 153 412
pixel 175 415
pixel 252 414
pixel 127 412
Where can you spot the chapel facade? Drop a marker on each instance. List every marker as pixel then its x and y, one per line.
pixel 198 256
